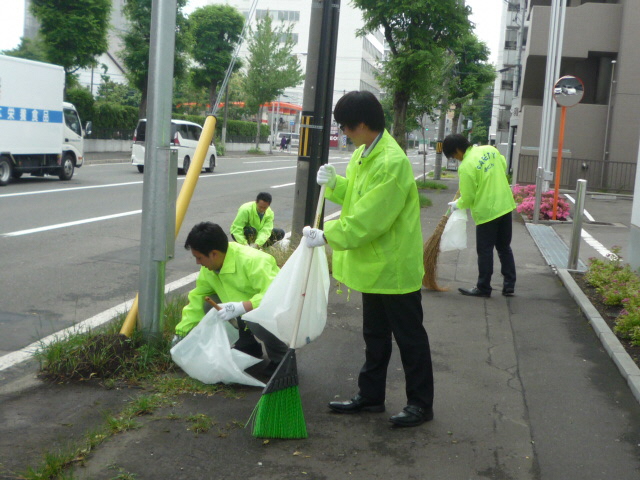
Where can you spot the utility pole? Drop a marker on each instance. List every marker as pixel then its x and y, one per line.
pixel 315 124
pixel 160 174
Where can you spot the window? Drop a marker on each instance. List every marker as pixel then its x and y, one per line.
pixel 72 121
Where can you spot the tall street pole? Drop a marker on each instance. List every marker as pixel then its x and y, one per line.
pixel 317 103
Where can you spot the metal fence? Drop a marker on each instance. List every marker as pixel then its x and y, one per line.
pixel 111 134
pixel 600 175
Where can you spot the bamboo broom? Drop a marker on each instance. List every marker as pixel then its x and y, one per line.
pixel 279 413
pixel 431 251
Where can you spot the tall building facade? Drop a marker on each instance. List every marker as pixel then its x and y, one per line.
pixel 599 47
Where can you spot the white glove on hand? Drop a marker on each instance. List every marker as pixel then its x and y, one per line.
pixel 453 205
pixel 231 310
pixel 314 237
pixel 326 176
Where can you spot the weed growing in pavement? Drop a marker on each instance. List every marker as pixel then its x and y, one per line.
pixel 122 474
pixel 200 423
pixel 618 285
pixel 431 184
pixel 443 174
pixel 256 151
pixel 425 202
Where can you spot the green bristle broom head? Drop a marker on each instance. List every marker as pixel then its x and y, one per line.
pixel 279 415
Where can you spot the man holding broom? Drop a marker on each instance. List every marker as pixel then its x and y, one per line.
pixel 484 189
pixel 239 276
pixel 377 250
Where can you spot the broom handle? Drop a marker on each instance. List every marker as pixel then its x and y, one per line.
pixel 455 197
pixel 316 224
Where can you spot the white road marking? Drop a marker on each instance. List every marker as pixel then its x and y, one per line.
pixel 69 224
pixel 283 185
pixel 585 213
pixel 587 237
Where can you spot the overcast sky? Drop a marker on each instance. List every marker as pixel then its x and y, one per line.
pixel 487 15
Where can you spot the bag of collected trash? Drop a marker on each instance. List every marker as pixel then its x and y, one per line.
pixel 454 236
pixel 279 306
pixel 206 354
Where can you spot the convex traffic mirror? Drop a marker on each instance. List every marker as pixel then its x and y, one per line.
pixel 568 91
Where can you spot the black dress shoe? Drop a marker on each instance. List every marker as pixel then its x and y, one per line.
pixel 474 292
pixel 412 416
pixel 508 292
pixel 355 405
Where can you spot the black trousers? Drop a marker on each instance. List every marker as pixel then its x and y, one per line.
pixel 495 234
pixel 400 316
pixel 250 234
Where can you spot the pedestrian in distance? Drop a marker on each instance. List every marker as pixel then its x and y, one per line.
pixel 253 224
pixel 484 189
pixel 379 255
pixel 239 276
pixel 283 143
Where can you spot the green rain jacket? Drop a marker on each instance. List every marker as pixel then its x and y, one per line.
pixel 484 187
pixel 245 275
pixel 248 216
pixel 377 241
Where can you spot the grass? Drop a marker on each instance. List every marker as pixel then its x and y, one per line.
pixel 256 151
pixel 443 174
pixel 424 201
pixel 430 184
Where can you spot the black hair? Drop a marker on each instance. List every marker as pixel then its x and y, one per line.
pixel 359 107
pixel 206 237
pixel 454 142
pixel 264 196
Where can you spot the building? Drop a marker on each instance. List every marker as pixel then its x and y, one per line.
pixel 599 47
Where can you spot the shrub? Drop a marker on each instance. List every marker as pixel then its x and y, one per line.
pixel 83 101
pixel 526 200
pixel 114 115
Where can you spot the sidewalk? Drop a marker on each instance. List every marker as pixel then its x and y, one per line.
pixel 524 390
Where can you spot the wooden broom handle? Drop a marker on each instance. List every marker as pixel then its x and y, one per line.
pixel 210 301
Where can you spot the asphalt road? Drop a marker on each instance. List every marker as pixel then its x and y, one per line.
pixel 71 249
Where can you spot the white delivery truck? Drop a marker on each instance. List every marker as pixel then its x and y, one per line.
pixel 39 133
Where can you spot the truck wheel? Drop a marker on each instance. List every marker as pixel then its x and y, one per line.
pixel 141 168
pixel 212 164
pixel 67 167
pixel 5 171
pixel 185 165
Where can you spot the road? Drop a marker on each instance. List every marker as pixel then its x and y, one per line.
pixel 71 249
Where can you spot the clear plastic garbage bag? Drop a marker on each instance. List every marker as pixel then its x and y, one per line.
pixel 454 235
pixel 206 354
pixel 278 308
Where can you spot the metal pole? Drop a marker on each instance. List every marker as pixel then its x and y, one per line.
pixel 155 248
pixel 581 190
pixel 605 154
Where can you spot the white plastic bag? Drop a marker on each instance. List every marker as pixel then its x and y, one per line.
pixel 454 236
pixel 206 355
pixel 277 310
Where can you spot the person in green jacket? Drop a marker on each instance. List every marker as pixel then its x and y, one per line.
pixel 377 250
pixel 239 276
pixel 253 224
pixel 484 189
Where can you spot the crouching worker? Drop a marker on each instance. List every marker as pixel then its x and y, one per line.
pixel 239 276
pixel 253 224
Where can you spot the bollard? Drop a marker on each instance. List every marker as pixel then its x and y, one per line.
pixel 574 250
pixel 538 202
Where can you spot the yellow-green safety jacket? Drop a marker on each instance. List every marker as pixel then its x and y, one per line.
pixel 248 216
pixel 245 275
pixel 484 187
pixel 377 241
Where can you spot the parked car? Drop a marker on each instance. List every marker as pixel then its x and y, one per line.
pixel 184 139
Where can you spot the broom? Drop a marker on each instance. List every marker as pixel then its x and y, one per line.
pixel 278 413
pixel 431 251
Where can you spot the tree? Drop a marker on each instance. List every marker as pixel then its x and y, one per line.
pixel 29 48
pixel 417 33
pixel 215 31
pixel 137 40
pixel 74 33
pixel 271 66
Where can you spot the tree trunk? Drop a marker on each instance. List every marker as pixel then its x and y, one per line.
pixel 400 103
pixel 142 110
pixel 457 113
pixel 258 122
pixel 212 97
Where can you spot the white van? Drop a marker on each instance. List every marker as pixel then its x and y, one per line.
pixel 294 140
pixel 184 139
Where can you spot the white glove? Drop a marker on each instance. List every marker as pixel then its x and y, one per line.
pixel 326 176
pixel 453 205
pixel 231 310
pixel 314 237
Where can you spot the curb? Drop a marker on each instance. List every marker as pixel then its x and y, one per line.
pixel 628 368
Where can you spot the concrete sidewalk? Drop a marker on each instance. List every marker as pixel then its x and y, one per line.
pixel 524 390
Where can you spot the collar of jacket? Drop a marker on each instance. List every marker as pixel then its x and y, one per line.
pixel 229 265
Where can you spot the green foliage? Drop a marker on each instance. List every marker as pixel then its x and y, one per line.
pixel 122 94
pixel 29 48
pixel 137 39
pixel 431 184
pixel 114 115
pixel 74 33
pixel 417 35
pixel 271 67
pixel 83 101
pixel 215 31
pixel 424 201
